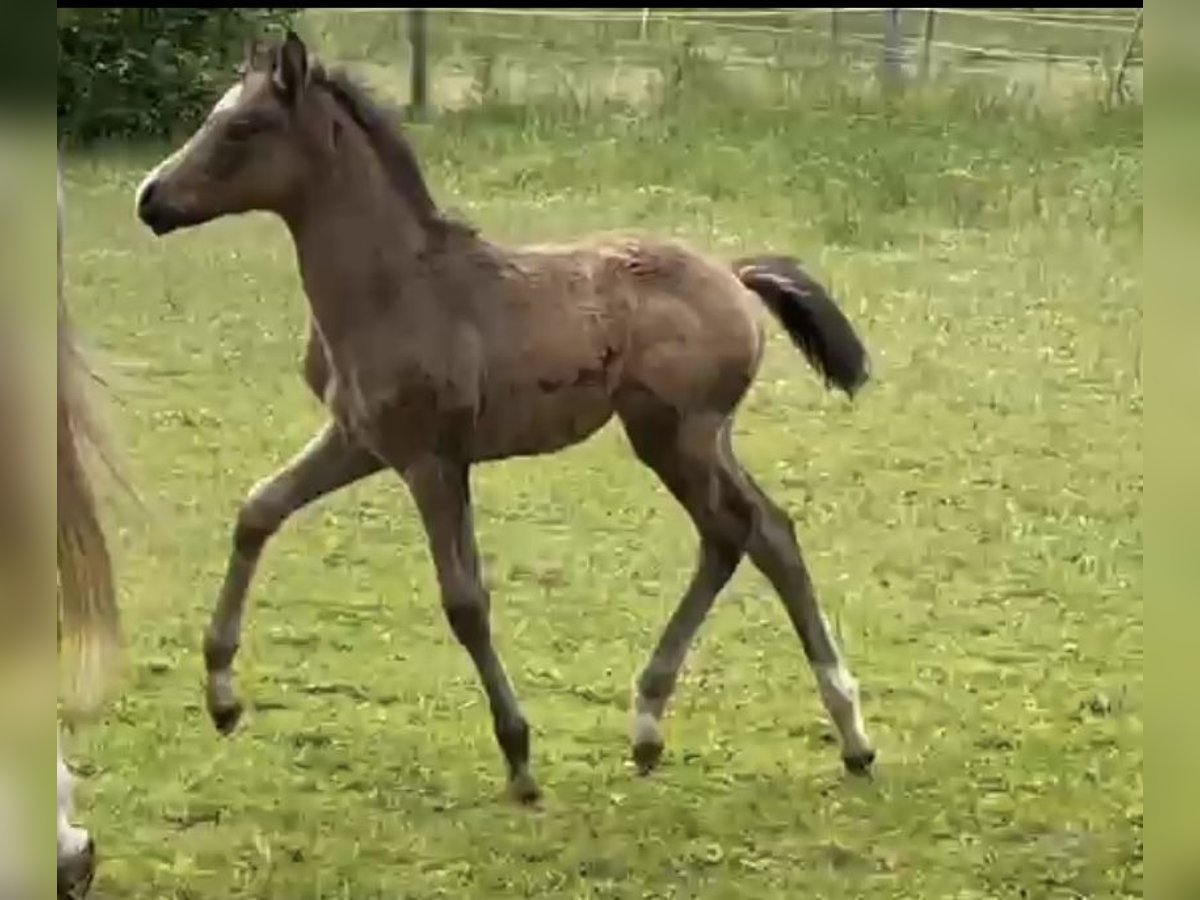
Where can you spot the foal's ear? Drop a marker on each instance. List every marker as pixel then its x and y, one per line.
pixel 290 72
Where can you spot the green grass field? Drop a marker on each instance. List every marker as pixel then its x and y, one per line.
pixel 972 523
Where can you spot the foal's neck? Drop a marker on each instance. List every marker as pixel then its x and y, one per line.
pixel 358 241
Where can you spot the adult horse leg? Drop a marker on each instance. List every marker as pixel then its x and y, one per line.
pixel 76 850
pixel 685 454
pixel 441 491
pixel 775 552
pixel 330 461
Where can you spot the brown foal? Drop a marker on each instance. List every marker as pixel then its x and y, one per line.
pixel 434 349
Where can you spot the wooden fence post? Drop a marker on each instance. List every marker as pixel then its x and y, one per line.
pixel 927 43
pixel 834 49
pixel 419 73
pixel 892 72
pixel 1119 79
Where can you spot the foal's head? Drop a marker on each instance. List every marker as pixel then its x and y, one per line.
pixel 253 152
pixel 285 126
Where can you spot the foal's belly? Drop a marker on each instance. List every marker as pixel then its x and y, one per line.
pixel 537 419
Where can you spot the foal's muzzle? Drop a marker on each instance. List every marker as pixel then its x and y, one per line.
pixel 156 214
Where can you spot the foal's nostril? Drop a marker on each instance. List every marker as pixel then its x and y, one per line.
pixel 145 195
pixel 150 209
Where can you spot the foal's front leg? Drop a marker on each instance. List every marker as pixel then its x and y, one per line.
pixel 441 491
pixel 329 462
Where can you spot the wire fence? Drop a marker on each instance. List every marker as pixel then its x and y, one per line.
pixel 449 58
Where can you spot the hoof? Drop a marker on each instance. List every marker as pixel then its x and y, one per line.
pixel 523 789
pixel 74 875
pixel 647 755
pixel 860 764
pixel 226 718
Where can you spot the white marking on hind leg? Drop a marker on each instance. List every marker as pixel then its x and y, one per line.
pixel 839 691
pixel 645 730
pixel 220 689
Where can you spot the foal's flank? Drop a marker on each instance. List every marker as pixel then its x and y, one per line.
pixel 435 349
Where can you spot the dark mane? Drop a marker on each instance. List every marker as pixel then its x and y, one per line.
pixel 394 152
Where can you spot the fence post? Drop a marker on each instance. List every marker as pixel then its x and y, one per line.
pixel 891 49
pixel 418 75
pixel 1119 79
pixel 834 49
pixel 927 43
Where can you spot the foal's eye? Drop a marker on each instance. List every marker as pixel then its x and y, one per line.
pixel 241 129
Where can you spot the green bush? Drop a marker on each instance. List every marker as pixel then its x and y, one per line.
pixel 148 72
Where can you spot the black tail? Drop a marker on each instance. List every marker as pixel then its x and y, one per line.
pixel 812 320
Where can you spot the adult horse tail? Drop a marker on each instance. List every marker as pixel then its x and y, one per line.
pixel 811 319
pixel 88 615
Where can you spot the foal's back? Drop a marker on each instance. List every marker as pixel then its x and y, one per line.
pixel 557 338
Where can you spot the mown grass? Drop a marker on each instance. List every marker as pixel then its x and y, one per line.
pixel 972 523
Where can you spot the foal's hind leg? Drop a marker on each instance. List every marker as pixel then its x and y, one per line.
pixel 441 491
pixel 330 461
pixel 685 455
pixel 775 552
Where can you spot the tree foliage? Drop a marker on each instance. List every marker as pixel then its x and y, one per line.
pixel 148 72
